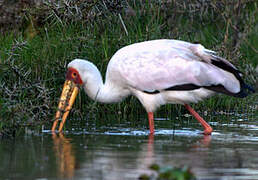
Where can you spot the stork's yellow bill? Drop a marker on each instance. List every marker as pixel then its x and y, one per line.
pixel 68 96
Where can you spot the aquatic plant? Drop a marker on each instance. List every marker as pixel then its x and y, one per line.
pixel 169 173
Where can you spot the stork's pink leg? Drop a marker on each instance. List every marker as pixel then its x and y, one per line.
pixel 151 122
pixel 207 127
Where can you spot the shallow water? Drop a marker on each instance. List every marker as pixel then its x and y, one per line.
pixel 126 152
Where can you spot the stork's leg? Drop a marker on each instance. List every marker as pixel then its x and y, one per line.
pixel 151 122
pixel 207 127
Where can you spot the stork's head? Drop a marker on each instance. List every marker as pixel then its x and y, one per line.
pixel 80 72
pixel 69 92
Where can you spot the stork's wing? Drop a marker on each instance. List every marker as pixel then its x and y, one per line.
pixel 170 65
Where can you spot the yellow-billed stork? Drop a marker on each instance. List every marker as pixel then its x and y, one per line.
pixel 157 72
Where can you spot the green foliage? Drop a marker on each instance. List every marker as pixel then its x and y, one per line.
pixel 169 173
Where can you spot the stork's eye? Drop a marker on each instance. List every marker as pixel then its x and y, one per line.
pixel 74 74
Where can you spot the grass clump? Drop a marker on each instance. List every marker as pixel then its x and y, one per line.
pixel 34 52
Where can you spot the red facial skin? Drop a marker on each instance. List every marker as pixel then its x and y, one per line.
pixel 73 75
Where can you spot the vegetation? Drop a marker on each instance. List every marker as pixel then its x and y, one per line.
pixel 35 50
pixel 169 173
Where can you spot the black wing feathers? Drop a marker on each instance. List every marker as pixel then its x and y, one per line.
pixel 222 64
pixel 244 88
pixel 228 68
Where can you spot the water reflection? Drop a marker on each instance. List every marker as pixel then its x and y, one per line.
pixel 229 154
pixel 112 160
pixel 65 157
pixel 126 153
pixel 66 161
pixel 203 142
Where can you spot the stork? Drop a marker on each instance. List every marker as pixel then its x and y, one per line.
pixel 156 72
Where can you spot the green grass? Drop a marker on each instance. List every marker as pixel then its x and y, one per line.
pixel 33 61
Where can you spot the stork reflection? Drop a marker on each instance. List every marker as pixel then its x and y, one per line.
pixel 105 164
pixel 65 157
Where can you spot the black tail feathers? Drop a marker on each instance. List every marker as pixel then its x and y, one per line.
pixel 245 90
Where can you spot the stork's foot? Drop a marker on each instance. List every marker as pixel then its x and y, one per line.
pixel 208 131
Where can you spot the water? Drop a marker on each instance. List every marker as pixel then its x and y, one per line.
pixel 126 152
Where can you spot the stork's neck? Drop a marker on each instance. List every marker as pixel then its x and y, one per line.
pixel 98 91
